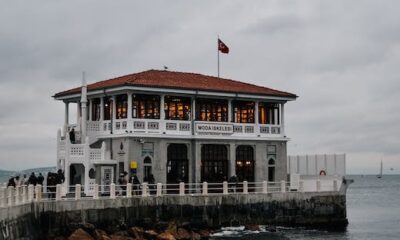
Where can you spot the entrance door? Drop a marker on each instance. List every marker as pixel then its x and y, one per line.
pixel 177 163
pixel 107 176
pixel 245 163
pixel 214 163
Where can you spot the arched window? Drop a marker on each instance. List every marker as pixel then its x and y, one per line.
pixel 177 163
pixel 271 169
pixel 92 173
pixel 147 168
pixel 214 163
pixel 245 163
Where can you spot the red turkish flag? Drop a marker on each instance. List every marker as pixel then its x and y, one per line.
pixel 222 47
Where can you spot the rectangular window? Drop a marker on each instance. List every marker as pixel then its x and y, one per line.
pixel 212 110
pixel 145 106
pixel 177 108
pixel 96 109
pixel 268 113
pixel 108 105
pixel 122 106
pixel 243 111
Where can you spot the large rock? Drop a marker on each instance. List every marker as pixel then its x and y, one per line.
pixel 196 236
pixel 120 237
pixel 252 227
pixel 80 234
pixel 204 233
pixel 182 234
pixel 137 233
pixel 150 234
pixel 101 235
pixel 165 236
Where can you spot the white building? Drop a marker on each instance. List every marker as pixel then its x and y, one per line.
pixel 177 126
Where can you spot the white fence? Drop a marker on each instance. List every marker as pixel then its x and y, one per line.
pixel 330 164
pixel 12 196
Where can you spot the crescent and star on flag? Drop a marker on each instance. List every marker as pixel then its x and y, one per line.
pixel 222 47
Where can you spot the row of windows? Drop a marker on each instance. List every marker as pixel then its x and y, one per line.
pixel 179 108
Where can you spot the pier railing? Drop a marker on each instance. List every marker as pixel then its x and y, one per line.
pixel 11 196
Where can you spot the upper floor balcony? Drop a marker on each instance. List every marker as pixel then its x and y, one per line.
pixel 172 104
pixel 179 116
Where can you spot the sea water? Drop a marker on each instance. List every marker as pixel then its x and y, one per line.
pixel 373 211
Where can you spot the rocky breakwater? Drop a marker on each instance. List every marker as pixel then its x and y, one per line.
pixel 167 231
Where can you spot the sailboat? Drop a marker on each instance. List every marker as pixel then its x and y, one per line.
pixel 380 173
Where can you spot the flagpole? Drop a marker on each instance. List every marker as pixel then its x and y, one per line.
pixel 218 53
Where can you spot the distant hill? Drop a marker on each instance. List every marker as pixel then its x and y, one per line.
pixel 6 174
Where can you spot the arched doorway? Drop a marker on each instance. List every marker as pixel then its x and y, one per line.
pixel 76 175
pixel 214 163
pixel 177 163
pixel 271 169
pixel 147 168
pixel 245 163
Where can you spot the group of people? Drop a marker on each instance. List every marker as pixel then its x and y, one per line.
pixel 124 179
pixel 21 181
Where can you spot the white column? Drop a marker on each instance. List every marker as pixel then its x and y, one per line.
pixel 144 189
pixel 159 189
pixel 205 188
pixel 58 192
pixel 66 118
pixel 283 186
pixel 181 189
pixel 129 106
pixel 232 158
pixel 162 107
pixel 77 191
pixel 264 186
pixel 38 193
pixel 245 187
pixel 95 191
pixel 30 193
pixel 129 190
pixel 90 109
pixel 282 119
pixel 78 113
pixel 112 190
pixel 256 122
pixel 193 110
pixel 83 107
pixel 225 187
pixel 230 110
pixel 114 107
pixel 162 113
pixel 101 108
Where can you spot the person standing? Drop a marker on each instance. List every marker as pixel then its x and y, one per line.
pixel 40 179
pixel 32 179
pixel 72 135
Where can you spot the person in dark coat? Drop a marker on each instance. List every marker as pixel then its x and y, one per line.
pixel 11 182
pixel 40 179
pixel 136 185
pixel 233 183
pixel 151 181
pixel 60 176
pixel 72 135
pixel 32 179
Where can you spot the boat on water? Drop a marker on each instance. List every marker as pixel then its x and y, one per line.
pixel 381 170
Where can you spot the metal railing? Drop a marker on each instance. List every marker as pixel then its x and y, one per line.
pixel 11 196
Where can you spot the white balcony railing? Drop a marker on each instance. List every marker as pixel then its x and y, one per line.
pixel 177 127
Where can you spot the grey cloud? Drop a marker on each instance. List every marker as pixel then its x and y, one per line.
pixel 340 57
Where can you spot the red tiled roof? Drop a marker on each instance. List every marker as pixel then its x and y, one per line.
pixel 181 80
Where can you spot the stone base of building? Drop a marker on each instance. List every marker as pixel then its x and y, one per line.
pixel 38 220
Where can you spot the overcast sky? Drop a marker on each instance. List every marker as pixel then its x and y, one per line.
pixel 342 58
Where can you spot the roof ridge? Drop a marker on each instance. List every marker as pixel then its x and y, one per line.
pixel 186 80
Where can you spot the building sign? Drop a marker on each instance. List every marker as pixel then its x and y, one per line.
pixel 214 128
